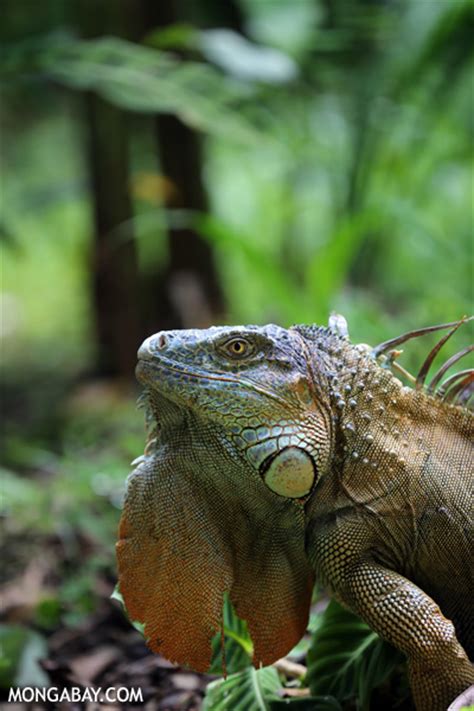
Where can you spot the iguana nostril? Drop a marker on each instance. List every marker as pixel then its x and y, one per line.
pixel 151 345
pixel 161 341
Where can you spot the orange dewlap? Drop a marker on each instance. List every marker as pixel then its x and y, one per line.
pixel 179 601
pixel 182 544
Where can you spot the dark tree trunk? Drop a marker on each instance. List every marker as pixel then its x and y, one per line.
pixel 193 296
pixel 114 259
pixel 115 278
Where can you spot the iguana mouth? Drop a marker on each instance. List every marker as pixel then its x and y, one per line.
pixel 148 371
pixel 153 367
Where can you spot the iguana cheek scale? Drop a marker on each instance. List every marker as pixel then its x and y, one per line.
pixel 279 454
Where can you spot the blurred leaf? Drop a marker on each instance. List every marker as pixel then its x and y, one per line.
pixel 77 592
pixel 347 659
pixel 48 613
pixel 250 690
pixel 301 648
pixel 290 26
pixel 143 79
pixel 446 50
pixel 246 60
pixel 177 36
pixel 13 640
pixel 21 650
pixel 22 500
pixel 29 672
pixel 278 284
pixel 228 50
pixel 331 264
pixel 7 237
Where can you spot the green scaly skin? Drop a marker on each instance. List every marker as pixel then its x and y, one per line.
pixel 289 456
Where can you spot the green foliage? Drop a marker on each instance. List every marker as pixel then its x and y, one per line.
pixel 74 500
pixel 48 613
pixel 347 663
pixel 348 660
pixel 357 178
pixel 140 79
pixel 230 51
pixel 250 690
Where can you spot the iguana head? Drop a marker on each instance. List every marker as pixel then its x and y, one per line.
pixel 217 505
pixel 251 387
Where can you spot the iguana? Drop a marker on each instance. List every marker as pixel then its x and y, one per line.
pixel 280 456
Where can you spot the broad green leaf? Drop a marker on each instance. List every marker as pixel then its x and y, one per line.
pixel 250 690
pixel 238 647
pixel 246 60
pixel 346 659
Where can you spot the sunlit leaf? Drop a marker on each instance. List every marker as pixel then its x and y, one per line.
pixel 179 35
pixel 250 690
pixel 246 60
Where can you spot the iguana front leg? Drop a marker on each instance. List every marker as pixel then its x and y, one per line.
pixel 398 610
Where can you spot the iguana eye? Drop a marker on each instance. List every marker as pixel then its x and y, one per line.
pixel 237 347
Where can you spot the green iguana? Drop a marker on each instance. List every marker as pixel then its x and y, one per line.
pixel 280 456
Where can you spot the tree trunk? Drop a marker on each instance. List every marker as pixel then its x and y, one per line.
pixel 115 277
pixel 114 260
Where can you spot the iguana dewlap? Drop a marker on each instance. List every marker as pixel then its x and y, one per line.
pixel 281 455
